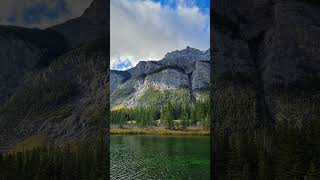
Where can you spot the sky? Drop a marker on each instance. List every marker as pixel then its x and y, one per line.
pixel 140 29
pixel 40 13
pixel 143 30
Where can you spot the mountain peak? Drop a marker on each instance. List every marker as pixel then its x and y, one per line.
pixel 97 11
pixel 92 25
pixel 187 53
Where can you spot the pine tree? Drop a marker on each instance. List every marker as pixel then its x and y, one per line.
pixel 170 117
pixel 1 166
pixel 206 122
pixel 167 116
pixel 43 172
pixel 34 162
pixel 68 165
pixel 101 156
pixel 252 158
pixel 313 172
pixel 184 118
pixel 234 165
pixel 193 117
pixel 245 172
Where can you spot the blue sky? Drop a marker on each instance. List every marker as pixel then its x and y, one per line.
pixel 122 64
pixel 147 29
pixel 203 5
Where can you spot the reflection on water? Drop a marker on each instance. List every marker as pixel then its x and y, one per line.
pixel 154 157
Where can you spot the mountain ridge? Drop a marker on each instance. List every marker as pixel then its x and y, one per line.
pixel 91 25
pixel 184 69
pixel 58 79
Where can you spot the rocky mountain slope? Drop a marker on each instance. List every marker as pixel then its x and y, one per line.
pixel 271 46
pixel 23 50
pixel 184 72
pixel 54 82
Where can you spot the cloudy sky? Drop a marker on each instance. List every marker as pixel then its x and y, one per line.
pixel 140 29
pixel 147 29
pixel 40 13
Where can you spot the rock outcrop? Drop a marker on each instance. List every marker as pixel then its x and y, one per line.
pixel 117 78
pixel 272 45
pixel 201 75
pixel 188 54
pixel 187 69
pixel 169 78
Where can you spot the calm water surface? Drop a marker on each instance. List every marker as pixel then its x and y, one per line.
pixel 159 157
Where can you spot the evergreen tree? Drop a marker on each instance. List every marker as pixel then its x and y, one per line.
pixel 68 165
pixel 101 156
pixel 184 118
pixel 170 117
pixel 193 117
pixel 167 116
pixel 234 164
pixel 313 172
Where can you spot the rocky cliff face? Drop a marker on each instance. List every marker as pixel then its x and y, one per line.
pixel 187 69
pixel 23 50
pixel 63 101
pixel 55 82
pixel 271 45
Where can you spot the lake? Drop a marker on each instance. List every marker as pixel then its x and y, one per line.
pixel 160 157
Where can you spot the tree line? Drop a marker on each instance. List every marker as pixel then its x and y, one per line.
pixel 288 150
pixel 281 153
pixel 196 114
pixel 73 161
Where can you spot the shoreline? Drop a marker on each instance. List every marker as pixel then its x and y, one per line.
pixel 159 131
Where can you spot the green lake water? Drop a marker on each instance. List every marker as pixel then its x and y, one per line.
pixel 160 157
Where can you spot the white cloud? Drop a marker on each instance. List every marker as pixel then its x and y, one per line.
pixel 16 9
pixel 145 30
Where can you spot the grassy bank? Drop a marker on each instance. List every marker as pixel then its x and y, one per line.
pixel 30 143
pixel 159 131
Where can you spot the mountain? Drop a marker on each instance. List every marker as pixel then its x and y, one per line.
pixel 266 78
pixel 91 25
pixel 23 50
pixel 54 82
pixel 184 73
pixel 269 47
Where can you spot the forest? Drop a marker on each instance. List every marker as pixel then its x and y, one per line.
pixel 70 161
pixel 243 149
pixel 281 153
pixel 196 114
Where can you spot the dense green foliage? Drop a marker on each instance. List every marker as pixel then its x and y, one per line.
pixel 234 109
pixel 38 98
pixel 85 161
pixel 281 153
pixel 146 116
pixel 154 97
pixel 243 150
